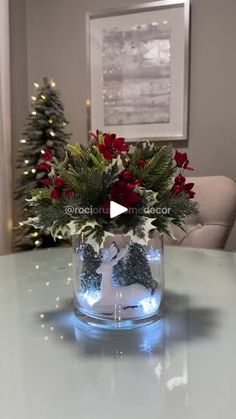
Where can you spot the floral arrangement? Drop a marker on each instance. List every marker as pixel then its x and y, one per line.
pixel 146 178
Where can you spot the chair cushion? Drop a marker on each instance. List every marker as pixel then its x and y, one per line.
pixel 210 228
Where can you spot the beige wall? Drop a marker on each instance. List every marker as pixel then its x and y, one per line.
pixel 56 47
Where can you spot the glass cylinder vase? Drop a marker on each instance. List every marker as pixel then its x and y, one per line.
pixel 119 285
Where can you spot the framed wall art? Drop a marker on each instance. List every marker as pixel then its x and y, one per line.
pixel 138 71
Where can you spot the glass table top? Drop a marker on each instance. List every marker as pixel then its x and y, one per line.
pixel 54 367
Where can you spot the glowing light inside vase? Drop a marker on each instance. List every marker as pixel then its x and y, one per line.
pixel 91 297
pixel 153 254
pixel 149 304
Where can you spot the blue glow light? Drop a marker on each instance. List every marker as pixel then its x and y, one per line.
pixel 153 254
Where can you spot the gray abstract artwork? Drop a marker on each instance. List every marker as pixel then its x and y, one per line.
pixel 136 74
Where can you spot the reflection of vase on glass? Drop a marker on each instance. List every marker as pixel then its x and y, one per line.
pixel 121 284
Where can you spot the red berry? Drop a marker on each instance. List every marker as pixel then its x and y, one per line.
pixel 55 194
pixel 178 188
pixel 59 182
pixel 130 186
pixel 138 182
pixel 180 180
pixel 126 175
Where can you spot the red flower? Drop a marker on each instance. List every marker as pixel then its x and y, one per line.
pixel 126 175
pixel 187 188
pixel 69 193
pixel 182 160
pixel 122 194
pixel 106 207
pixel 142 163
pixel 191 194
pixel 43 166
pixel 46 181
pixel 112 146
pixel 55 194
pixel 47 155
pixel 59 183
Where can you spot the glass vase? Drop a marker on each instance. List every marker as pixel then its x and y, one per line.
pixel 119 285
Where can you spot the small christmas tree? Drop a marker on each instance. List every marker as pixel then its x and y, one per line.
pixel 43 140
pixel 134 269
pixel 90 279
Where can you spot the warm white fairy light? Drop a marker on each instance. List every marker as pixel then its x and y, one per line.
pixel 21 223
pixel 59 237
pixel 41 316
pixel 37 267
pixel 52 133
pixel 53 84
pixel 22 141
pixel 47 283
pixel 34 113
pixel 50 121
pixel 37 242
pixel 51 328
pixel 33 98
pixel 25 172
pixel 64 123
pixel 43 97
pixel 68 281
pixel 42 151
pixel 26 161
pixel 36 85
pixel 33 170
pixel 46 338
pixel 35 234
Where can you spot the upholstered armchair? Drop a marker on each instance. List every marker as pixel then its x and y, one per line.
pixel 211 227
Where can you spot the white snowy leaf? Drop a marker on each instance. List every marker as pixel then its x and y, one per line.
pixel 33 221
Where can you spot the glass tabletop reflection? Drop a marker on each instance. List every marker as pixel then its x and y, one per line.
pixel 54 366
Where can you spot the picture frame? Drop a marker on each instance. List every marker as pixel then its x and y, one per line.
pixel 138 71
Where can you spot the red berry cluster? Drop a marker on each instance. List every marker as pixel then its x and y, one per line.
pixel 59 191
